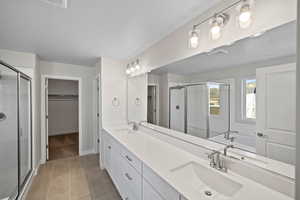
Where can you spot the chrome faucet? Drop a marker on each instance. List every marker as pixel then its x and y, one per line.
pixel 226 149
pixel 227 135
pixel 135 125
pixel 216 161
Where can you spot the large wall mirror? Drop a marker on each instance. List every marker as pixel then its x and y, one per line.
pixel 241 94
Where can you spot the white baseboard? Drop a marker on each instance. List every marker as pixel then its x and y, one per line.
pixel 87 152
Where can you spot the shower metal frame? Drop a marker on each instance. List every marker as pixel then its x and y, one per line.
pixel 20 186
pixel 185 86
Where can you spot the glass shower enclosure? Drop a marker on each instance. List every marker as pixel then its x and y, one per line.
pixel 200 109
pixel 16 131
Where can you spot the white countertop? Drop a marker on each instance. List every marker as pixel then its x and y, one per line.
pixel 274 166
pixel 162 157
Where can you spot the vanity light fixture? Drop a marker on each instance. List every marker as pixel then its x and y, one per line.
pixel 194 39
pixel 133 67
pixel 128 70
pixel 137 66
pixel 218 22
pixel 245 16
pixel 220 19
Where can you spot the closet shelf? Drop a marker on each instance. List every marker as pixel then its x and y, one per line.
pixel 62 95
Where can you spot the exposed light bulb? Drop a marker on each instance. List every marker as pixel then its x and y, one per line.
pixel 128 70
pixel 137 66
pixel 245 17
pixel 194 40
pixel 215 31
pixel 132 69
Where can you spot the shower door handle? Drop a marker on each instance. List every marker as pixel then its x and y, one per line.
pixel 2 116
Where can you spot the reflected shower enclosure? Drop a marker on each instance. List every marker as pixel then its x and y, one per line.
pixel 16 131
pixel 200 109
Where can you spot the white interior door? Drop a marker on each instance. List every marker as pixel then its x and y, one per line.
pixel 46 119
pixel 276 105
pixel 177 109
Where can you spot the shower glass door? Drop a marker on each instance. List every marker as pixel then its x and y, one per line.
pixel 9 132
pixel 24 128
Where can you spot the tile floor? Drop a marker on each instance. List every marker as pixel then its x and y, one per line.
pixel 63 146
pixel 76 178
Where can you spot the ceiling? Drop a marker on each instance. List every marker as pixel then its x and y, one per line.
pixel 276 43
pixel 88 29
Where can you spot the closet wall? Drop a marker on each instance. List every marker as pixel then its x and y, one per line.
pixel 63 106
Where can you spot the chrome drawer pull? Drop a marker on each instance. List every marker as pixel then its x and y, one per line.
pixel 109 147
pixel 128 158
pixel 128 176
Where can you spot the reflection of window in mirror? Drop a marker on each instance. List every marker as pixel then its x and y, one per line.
pixel 214 99
pixel 249 99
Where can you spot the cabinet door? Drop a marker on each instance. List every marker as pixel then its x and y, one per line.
pixel 107 152
pixel 276 117
pixel 149 193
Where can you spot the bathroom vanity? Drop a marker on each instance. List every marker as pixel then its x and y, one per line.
pixel 144 167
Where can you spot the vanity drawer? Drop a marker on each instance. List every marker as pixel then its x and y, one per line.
pixel 149 193
pixel 163 188
pixel 132 180
pixel 131 159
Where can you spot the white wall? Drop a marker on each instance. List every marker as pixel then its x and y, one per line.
pixel 267 15
pixel 18 59
pixel 113 86
pixel 63 112
pixel 87 75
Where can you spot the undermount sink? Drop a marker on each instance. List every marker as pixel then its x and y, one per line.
pixel 205 181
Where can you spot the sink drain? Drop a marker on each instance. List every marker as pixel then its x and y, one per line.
pixel 208 193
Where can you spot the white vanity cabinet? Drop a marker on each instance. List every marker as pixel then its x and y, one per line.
pixel 133 180
pixel 162 188
pixel 149 193
pixel 107 152
pixel 125 177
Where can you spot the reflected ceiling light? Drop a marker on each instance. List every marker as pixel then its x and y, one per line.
pixel 194 39
pixel 245 16
pixel 217 23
